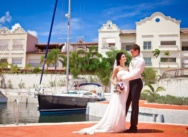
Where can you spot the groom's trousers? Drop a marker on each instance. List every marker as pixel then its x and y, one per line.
pixel 134 96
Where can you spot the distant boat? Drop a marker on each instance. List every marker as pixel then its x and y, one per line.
pixel 3 98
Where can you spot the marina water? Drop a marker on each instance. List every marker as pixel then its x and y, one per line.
pixel 28 113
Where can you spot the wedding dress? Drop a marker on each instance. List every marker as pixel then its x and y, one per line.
pixel 113 120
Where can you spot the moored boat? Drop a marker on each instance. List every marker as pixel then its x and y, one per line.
pixel 3 98
pixel 74 101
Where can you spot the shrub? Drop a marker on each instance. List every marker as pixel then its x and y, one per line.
pixel 168 99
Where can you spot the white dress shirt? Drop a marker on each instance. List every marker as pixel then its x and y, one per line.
pixel 136 68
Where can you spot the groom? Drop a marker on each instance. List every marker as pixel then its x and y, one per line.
pixel 136 68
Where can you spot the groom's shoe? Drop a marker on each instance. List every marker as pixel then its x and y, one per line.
pixel 131 130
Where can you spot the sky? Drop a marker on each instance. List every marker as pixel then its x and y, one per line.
pixel 87 16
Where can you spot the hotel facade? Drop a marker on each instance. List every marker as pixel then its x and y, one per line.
pixel 155 32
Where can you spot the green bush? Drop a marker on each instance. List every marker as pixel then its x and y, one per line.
pixel 168 99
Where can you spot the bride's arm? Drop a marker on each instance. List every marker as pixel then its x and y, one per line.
pixel 114 74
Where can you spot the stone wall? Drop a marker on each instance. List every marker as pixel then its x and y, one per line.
pixel 173 86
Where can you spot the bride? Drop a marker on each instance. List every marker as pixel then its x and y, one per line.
pixel 113 120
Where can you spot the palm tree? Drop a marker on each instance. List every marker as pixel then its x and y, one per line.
pixel 48 61
pixel 75 63
pixel 54 57
pixel 156 53
pixel 153 92
pixel 104 73
pixel 91 60
pixel 106 66
pixel 167 53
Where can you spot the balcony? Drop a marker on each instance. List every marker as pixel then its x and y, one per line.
pixel 184 53
pixel 184 65
pixel 4 49
pixel 17 50
pixel 169 65
pixel 169 47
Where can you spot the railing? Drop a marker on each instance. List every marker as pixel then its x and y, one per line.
pixel 174 73
pixel 16 111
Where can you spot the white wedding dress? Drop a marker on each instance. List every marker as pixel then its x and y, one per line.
pixel 114 117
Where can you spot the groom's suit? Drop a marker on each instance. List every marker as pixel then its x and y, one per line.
pixel 136 68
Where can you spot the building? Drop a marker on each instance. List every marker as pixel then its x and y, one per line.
pixel 14 45
pixel 21 48
pixel 155 32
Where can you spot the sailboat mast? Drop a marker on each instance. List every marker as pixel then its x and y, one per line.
pixel 68 45
pixel 49 37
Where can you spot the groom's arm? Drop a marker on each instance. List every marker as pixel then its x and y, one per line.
pixel 134 73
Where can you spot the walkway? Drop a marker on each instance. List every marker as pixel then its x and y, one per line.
pixel 65 130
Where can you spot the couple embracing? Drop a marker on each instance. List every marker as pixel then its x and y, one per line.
pixel 127 87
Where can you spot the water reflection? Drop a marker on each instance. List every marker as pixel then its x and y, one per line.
pixel 28 113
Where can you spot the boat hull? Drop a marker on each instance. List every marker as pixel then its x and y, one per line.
pixel 3 98
pixel 55 103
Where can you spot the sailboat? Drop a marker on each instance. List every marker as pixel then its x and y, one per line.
pixel 73 100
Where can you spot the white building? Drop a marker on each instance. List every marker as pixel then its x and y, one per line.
pixel 155 32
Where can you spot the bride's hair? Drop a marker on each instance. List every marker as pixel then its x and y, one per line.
pixel 118 57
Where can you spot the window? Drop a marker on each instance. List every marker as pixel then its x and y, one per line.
pixel 148 61
pixel 17 61
pixel 168 59
pixel 35 62
pixel 184 46
pixel 126 46
pixel 185 63
pixel 108 42
pixel 18 44
pixel 147 45
pixel 3 60
pixel 168 42
pixel 111 44
pixel 4 44
pixel 157 20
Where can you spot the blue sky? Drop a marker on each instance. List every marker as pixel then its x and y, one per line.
pixel 87 16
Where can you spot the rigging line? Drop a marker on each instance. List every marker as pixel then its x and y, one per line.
pixel 48 41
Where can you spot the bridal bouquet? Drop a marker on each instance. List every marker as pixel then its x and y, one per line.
pixel 119 88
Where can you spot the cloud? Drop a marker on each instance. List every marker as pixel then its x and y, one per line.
pixel 32 32
pixel 130 11
pixel 60 29
pixel 95 40
pixel 6 18
pixel 15 26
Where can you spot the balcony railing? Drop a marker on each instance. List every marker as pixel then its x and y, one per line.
pixel 184 65
pixel 169 64
pixel 169 47
pixel 17 49
pixel 174 73
pixel 2 48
